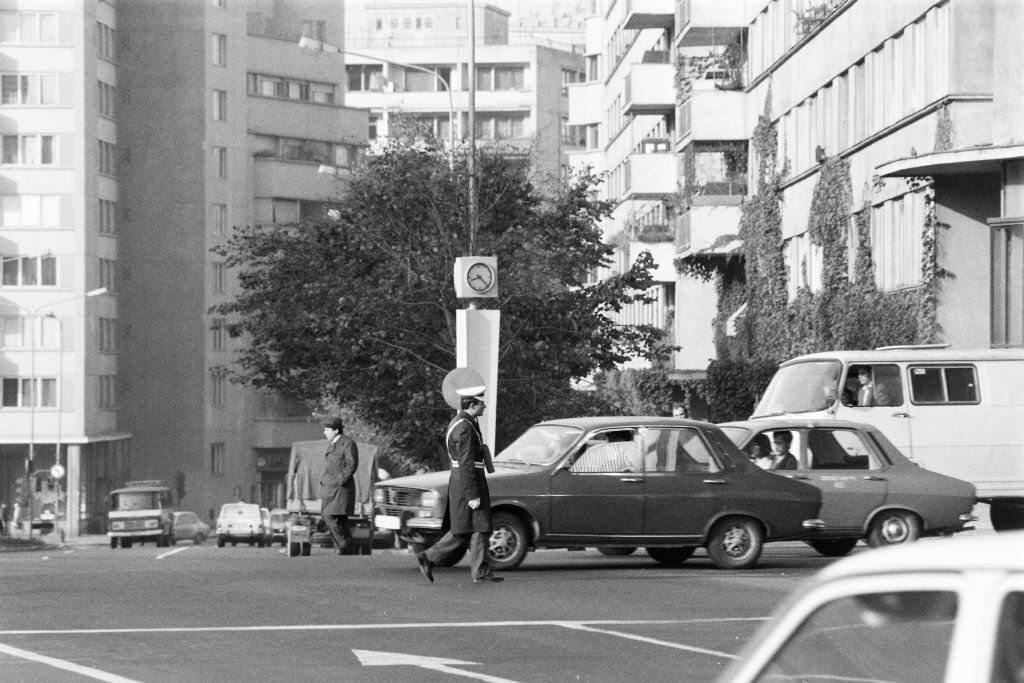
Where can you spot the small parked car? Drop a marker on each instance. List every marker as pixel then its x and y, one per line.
pixel 241 522
pixel 278 526
pixel 667 484
pixel 869 489
pixel 948 610
pixel 188 526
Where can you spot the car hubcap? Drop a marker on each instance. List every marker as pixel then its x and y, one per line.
pixel 894 530
pixel 503 544
pixel 736 541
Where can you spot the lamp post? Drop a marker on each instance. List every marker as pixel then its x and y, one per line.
pixel 320 46
pixel 33 381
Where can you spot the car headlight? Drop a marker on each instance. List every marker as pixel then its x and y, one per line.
pixel 117 526
pixel 152 523
pixel 429 499
pixel 378 495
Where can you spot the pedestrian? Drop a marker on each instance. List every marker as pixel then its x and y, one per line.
pixel 469 501
pixel 338 485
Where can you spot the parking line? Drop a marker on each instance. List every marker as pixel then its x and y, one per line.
pixel 645 639
pixel 378 627
pixel 173 552
pixel 65 665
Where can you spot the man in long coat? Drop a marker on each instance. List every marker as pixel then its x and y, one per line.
pixel 337 485
pixel 469 501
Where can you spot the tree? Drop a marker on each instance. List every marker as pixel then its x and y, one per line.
pixel 357 308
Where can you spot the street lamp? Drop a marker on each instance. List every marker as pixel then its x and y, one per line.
pixel 33 381
pixel 320 46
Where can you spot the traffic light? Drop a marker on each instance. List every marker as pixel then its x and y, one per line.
pixel 19 490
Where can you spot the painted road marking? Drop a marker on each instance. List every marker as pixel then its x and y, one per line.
pixel 442 664
pixel 173 552
pixel 652 641
pixel 65 665
pixel 379 627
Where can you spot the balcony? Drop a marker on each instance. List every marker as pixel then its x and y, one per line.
pixel 276 177
pixel 641 14
pixel 585 103
pixel 651 224
pixel 650 89
pixel 652 176
pixel 708 22
pixel 710 115
pixel 701 227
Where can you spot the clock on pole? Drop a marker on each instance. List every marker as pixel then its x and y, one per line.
pixel 476 277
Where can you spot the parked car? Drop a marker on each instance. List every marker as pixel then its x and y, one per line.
pixel 949 610
pixel 188 526
pixel 869 489
pixel 278 526
pixel 669 485
pixel 241 522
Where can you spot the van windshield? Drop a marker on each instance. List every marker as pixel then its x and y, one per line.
pixel 800 388
pixel 136 500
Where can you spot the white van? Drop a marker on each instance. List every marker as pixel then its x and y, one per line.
pixel 957 412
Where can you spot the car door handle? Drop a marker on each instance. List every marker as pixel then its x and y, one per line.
pixel 717 482
pixel 630 480
pixel 797 476
pixel 873 477
pixel 900 413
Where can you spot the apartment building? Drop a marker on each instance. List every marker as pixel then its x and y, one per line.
pixel 409 60
pixel 136 135
pixel 920 98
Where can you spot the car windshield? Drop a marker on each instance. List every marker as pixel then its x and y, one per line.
pixel 136 500
pixel 540 445
pixel 800 388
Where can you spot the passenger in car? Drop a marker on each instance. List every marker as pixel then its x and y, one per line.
pixel 759 450
pixel 782 459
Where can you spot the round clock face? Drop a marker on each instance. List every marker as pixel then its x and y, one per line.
pixel 480 277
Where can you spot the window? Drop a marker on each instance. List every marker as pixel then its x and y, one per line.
pixel 896 241
pixel 28 150
pixel 107 217
pixel 943 385
pixel 219 49
pixel 29 271
pixel 220 277
pixel 108 274
pixel 836 636
pixel 17 331
pixel 217 458
pixel 30 210
pixel 28 27
pixel 501 126
pixel 361 77
pixel 676 450
pixel 107 158
pixel 1008 661
pixel 106 42
pixel 611 451
pixel 314 28
pixel 23 392
pixel 262 85
pixel 220 161
pixel 220 219
pixel 218 334
pixel 220 105
pixel 107 392
pixel 218 387
pixel 837 449
pixel 1008 284
pixel 873 385
pixel 107 99
pixel 108 335
pixel 499 77
pixel 31 89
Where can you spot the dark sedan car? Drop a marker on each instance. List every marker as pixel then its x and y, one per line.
pixel 869 489
pixel 669 485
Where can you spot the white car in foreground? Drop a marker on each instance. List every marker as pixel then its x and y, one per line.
pixel 948 610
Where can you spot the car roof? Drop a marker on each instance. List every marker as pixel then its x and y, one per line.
pixel 795 422
pixel 983 550
pixel 912 354
pixel 141 489
pixel 612 421
pixel 230 506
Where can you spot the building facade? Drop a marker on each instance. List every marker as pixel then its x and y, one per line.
pixel 136 135
pixel 919 98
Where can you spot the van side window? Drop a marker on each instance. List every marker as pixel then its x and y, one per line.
pixel 873 385
pixel 940 385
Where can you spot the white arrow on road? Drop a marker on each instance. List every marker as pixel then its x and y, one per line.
pixel 375 658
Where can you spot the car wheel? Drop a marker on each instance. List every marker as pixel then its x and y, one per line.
pixel 509 543
pixel 113 543
pixel 126 543
pixel 307 548
pixel 670 557
pixel 736 543
pixel 294 549
pixel 198 540
pixel 1006 516
pixel 612 551
pixel 220 542
pixel 834 547
pixel 893 527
